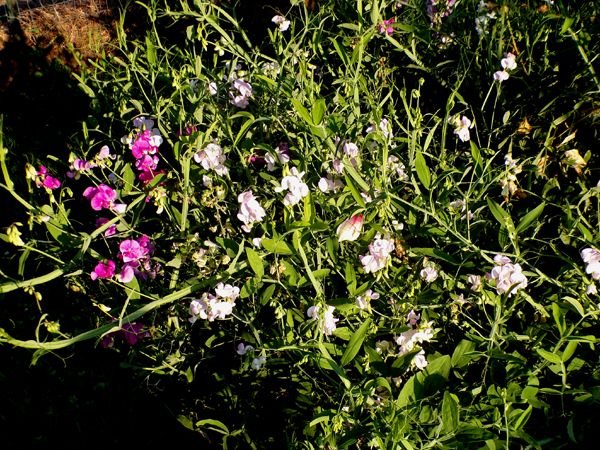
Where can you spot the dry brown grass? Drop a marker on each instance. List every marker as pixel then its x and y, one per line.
pixel 78 29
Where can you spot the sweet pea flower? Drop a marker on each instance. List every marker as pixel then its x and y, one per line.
pixel 241 99
pixel 43 179
pixel 132 251
pixel 412 318
pixel 363 301
pixel 386 27
pixel 103 270
pixel 242 349
pixel 379 254
pixel 250 210
pixel 110 231
pixel 296 188
pixel 507 276
pixel 258 362
pixel 327 323
pixel 213 89
pixel 591 257
pixel 212 158
pixel 281 22
pixel 327 184
pixel 462 129
pixel 227 291
pixel 429 274
pixel 103 197
pixel 508 62
pixel 350 229
pixel 475 282
pixel 350 149
pixel 104 153
pixel 501 75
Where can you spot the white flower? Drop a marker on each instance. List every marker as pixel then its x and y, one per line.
pixel 419 361
pixel 227 291
pixel 462 129
pixel 412 318
pixel 250 210
pixel 213 88
pixel 591 257
pixel 338 166
pixel 410 338
pixel 257 242
pixel 591 290
pixel 212 158
pixel 242 98
pixel 429 274
pixel 327 322
pixel 282 22
pixel 366 197
pixel 242 349
pixel 475 281
pixel 508 276
pixel 257 363
pixel 501 75
pixel 363 301
pixel 350 149
pixel 385 127
pixel 297 189
pixel 329 184
pixel 508 62
pixel 379 254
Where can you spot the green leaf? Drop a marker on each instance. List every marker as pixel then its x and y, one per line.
pixel 549 356
pixel 355 343
pixel 302 112
pixel 501 216
pixel 256 262
pixel 267 294
pixel 318 111
pixel 523 418
pixel 411 392
pixel 530 217
pixel 214 425
pixel 569 351
pixel 476 154
pixel 450 419
pixel 462 353
pixel 277 246
pixel 423 172
pixel 356 177
pixel 150 51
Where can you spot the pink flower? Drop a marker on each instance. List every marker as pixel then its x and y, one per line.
pixel 132 251
pixel 350 229
pixel 127 274
pixel 379 254
pixel 386 26
pixel 45 180
pixel 103 270
pixel 102 197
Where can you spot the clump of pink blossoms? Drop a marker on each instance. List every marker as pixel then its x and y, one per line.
pixel 217 306
pixel 43 179
pixel 144 148
pixel 103 197
pixel 250 210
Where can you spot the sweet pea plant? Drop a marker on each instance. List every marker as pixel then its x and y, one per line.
pixel 355 233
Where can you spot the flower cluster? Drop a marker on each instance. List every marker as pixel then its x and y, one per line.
pixel 507 276
pixel 103 197
pixel 240 93
pixel 327 322
pixel 144 148
pixel 250 210
pixel 296 188
pixel 508 63
pixel 217 306
pixel 509 181
pixel 591 257
pixel 212 158
pixel 364 301
pixel 386 26
pixel 438 9
pixel 42 178
pixel 379 254
pixel 482 21
pixel 136 257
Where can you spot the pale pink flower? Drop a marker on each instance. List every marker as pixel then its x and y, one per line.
pixel 242 349
pixel 462 130
pixel 501 75
pixel 296 188
pixel 429 274
pixel 350 149
pixel 251 211
pixel 379 255
pixel 212 158
pixel 475 282
pixel 508 62
pixel 281 22
pixel 508 277
pixel 363 301
pixel 227 291
pixel 412 318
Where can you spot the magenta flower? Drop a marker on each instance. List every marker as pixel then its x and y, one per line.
pixel 130 333
pixel 103 197
pixel 103 270
pixel 386 26
pixel 131 251
pixel 45 180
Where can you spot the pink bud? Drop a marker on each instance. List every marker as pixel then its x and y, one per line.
pixel 350 229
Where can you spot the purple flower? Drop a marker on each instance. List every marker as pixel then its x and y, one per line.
pixel 131 333
pixel 103 197
pixel 45 180
pixel 110 231
pixel 103 270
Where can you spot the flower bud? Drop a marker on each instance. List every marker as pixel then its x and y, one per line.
pixel 350 229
